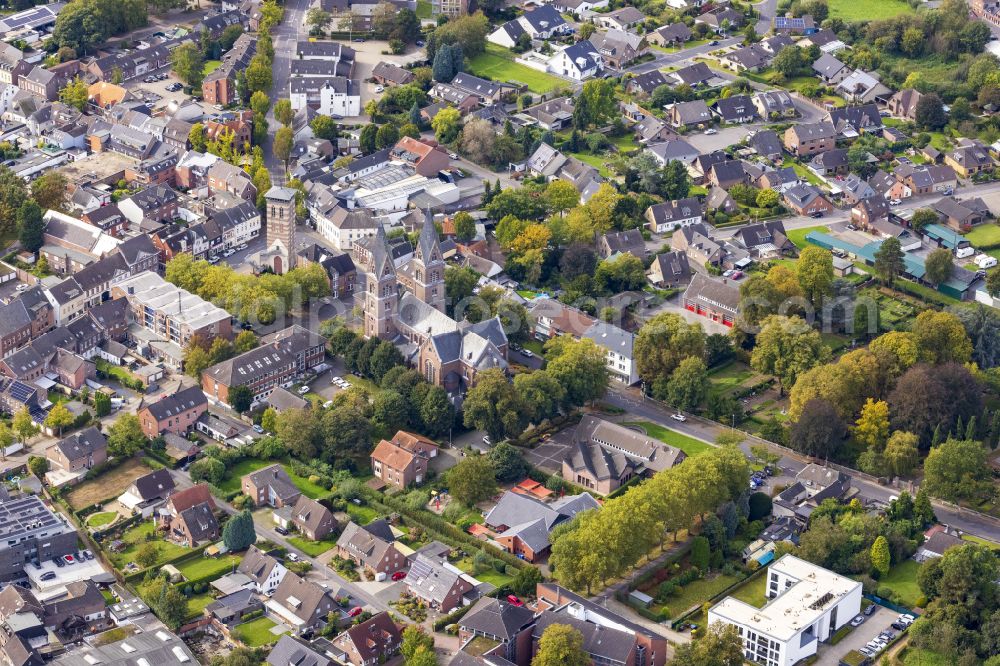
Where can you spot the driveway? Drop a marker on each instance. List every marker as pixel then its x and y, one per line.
pixel 549 455
pixel 830 655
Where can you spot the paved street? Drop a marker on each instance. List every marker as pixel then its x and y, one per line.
pixel 283 37
pixel 707 431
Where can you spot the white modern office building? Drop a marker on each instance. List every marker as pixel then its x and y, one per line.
pixel 806 604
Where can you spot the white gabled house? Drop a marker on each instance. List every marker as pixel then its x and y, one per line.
pixel 579 61
pixel 544 22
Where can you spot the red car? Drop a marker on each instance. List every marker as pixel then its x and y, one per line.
pixel 514 601
pixel 356 611
pixel 399 575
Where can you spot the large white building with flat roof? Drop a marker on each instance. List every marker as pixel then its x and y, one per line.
pixel 806 604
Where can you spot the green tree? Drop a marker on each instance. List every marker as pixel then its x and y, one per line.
pixel 688 384
pixel 561 645
pixel 580 368
pixel 240 398
pixel 719 645
pixel 38 465
pixel 386 137
pixel 125 436
pixel 494 406
pixel 437 413
pixel 815 273
pixel 259 75
pixel 957 470
pixel 901 453
pixel 30 226
pixel 49 190
pixel 561 196
pixel 58 418
pixel 324 127
pixel 414 638
pixel 465 226
pixel 283 112
pixel 938 266
pixel 880 555
pixel 269 420
pixel 922 217
pixel 789 61
pixel 24 425
pixel 74 94
pixel 102 404
pixel 196 137
pixel 188 63
pixel 239 532
pixel 207 469
pixel 663 342
pixel 472 480
pixel 446 123
pixel 819 431
pixel 699 553
pixel 929 113
pixel 540 393
pixel 941 337
pixel 148 554
pixel 872 426
pixel 298 429
pixel 889 261
pixel 786 348
pixel 284 141
pixel 508 465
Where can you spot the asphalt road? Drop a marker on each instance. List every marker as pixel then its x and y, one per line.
pixel 666 59
pixel 632 401
pixel 283 36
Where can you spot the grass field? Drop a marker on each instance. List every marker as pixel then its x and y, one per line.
pixel 917 657
pixel 102 518
pixel 210 66
pixel 135 537
pixel 697 593
pixel 984 234
pixel 865 10
pixel 596 161
pixel 798 236
pixel 802 172
pixel 981 541
pixel 491 575
pixel 256 633
pixel 312 548
pixel 902 580
pixel 752 591
pixel 362 515
pixel 209 566
pixel 688 445
pixel 497 63
pixel 728 377
pixel 233 475
pixel 423 9
pixel 110 484
pixel 197 604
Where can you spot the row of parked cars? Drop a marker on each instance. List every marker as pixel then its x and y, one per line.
pixel 81 556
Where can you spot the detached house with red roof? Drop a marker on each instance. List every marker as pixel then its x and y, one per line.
pixel 189 516
pixel 425 158
pixel 372 642
pixel 403 460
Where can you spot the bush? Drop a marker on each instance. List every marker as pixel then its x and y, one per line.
pixel 760 506
pixel 699 553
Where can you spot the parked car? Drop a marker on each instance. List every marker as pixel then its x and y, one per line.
pixel 399 575
pixel 817 214
pixel 527 353
pixel 292 557
pixel 514 601
pixel 69 559
pixel 58 562
pixel 357 610
pixel 283 532
pixel 711 130
pixel 486 440
pixel 48 575
pixel 303 390
pixel 379 89
pixel 894 202
pixel 871 609
pixel 678 417
pixel 858 621
pixel 258 428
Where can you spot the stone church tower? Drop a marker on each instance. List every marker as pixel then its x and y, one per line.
pixel 427 267
pixel 381 292
pixel 280 229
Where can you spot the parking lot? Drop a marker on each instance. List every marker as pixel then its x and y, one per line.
pixel 56 578
pixel 549 455
pixel 876 623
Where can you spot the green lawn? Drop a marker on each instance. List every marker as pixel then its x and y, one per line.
pixel 902 580
pixel 916 657
pixel 596 161
pixel 205 567
pixel 698 592
pixel 802 172
pixel 197 604
pixel 312 548
pixel 210 66
pixel 233 475
pixel 491 575
pixel 423 9
pixel 497 63
pixel 686 45
pixel 752 591
pixel 535 346
pixel 135 537
pixel 688 445
pixel 984 234
pixel 102 518
pixel 362 515
pixel 981 541
pixel 256 633
pixel 728 377
pixel 624 143
pixel 866 10
pixel 798 236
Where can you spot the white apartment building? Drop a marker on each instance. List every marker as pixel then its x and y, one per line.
pixel 806 604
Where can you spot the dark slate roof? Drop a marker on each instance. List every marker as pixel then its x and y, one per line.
pixel 155 484
pixel 497 618
pixel 82 444
pixel 649 81
pixel 177 403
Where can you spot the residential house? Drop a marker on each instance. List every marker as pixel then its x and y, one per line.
pixel 854 188
pixel 388 74
pixel 372 547
pixel 673 149
pixel 80 451
pixel 667 216
pixel 851 121
pixel 913 180
pixel 669 270
pixel 605 456
pixel 801 25
pixel 234 608
pixel 175 413
pixel 189 516
pixel 339 267
pixel 404 460
pixel 861 87
pixel 727 173
pixel 626 242
pixel 867 212
pixel 371 642
pixel 805 199
pixel 969 158
pixel 775 104
pixel 962 215
pixel 522 523
pixel 301 604
pixel 270 486
pixel 767 145
pixel 735 109
pixel 148 492
pixel 425 158
pixel 624 18
pixel 497 620
pixel 689 114
pixel 652 130
pixel 312 519
pixel 619 48
pixel 289 650
pixel 808 139
pixel 646 83
pixel 829 162
pixel 765 240
pixel 829 70
pixel 697 75
pixel 937 540
pixel 543 22
pixel 265 571
pixel 903 104
pixel 440 585
pixel 746 59
pixel 718 300
pixel 779 179
pixel 721 16
pixel 554 115
pixel 579 61
pixel 156 203
pixel 674 34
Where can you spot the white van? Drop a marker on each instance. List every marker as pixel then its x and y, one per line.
pixel 985 261
pixel 964 252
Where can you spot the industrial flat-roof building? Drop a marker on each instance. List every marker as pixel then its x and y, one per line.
pixel 806 604
pixel 29 530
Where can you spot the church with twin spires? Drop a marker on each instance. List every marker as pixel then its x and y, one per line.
pixel 405 302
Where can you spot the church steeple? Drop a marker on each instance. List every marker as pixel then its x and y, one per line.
pixel 381 293
pixel 428 266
